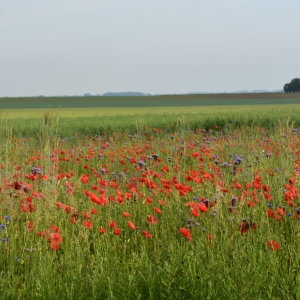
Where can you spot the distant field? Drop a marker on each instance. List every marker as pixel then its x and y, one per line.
pixel 96 115
pixel 150 101
pixel 79 112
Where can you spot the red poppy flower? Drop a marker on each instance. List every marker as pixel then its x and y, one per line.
pixel 195 154
pixel 186 233
pixel 86 215
pixel 55 237
pixel 146 234
pixel 268 196
pixel 271 213
pixel 112 224
pixel 117 231
pixel 248 185
pixel 202 207
pixel 292 180
pixel 40 234
pixel 254 226
pixel 238 185
pixel 244 227
pixel 54 245
pixel 273 245
pixel 195 212
pixel 257 185
pixel 149 200
pixel 125 214
pixel 151 219
pixel 161 202
pixel 30 226
pixel 157 210
pixel 102 230
pixel 297 215
pixel 250 204
pixel 209 237
pixel 280 211
pixel 67 208
pixel 54 228
pixel 94 211
pixel 87 224
pixel 266 188
pixel 85 178
pixel 131 225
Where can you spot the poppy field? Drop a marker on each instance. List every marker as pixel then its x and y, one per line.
pixel 155 213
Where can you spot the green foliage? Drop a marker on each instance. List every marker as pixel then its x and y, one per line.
pixel 293 86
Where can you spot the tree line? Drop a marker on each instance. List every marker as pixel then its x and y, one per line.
pixel 293 86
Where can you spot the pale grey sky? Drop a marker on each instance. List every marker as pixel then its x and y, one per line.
pixel 72 47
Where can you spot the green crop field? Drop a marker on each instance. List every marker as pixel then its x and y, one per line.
pixel 95 115
pixel 150 101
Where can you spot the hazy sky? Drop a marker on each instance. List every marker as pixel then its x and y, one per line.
pixel 72 47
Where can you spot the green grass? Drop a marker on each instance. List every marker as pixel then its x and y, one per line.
pixel 106 145
pixel 95 121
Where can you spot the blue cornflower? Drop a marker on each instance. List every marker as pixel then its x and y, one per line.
pixel 7 218
pixel 36 170
pixel 238 159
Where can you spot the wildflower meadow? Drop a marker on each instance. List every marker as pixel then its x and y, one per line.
pixel 204 213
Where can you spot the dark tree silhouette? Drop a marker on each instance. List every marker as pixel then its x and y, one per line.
pixel 286 88
pixel 293 86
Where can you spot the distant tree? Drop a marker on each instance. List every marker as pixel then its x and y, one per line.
pixel 286 88
pixel 293 86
